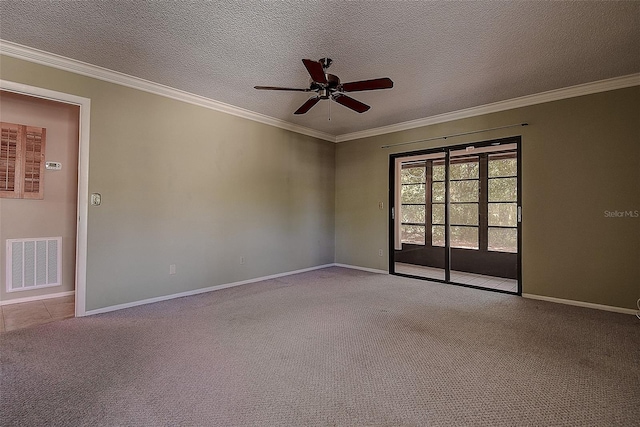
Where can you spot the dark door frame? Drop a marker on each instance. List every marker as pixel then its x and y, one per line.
pixel 446 150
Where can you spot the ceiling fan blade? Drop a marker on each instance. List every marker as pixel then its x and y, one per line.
pixel 307 105
pixel 351 103
pixel 375 84
pixel 315 71
pixel 281 88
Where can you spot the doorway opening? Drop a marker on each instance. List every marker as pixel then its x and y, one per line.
pixel 81 165
pixel 456 215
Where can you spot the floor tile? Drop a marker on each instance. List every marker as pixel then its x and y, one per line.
pixel 60 300
pixel 460 277
pixel 417 270
pixel 478 281
pixel 506 286
pixel 21 319
pixel 60 309
pixel 494 283
pixel 23 315
pixel 23 307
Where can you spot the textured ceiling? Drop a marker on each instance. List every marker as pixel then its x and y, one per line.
pixel 442 56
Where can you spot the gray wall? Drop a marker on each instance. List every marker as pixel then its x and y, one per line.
pixel 193 187
pixel 55 214
pixel 580 158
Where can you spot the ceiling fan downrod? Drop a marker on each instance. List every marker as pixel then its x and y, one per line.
pixel 326 62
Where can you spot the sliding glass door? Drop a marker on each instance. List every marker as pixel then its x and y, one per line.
pixel 455 214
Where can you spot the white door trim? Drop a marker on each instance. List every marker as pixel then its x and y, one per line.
pixel 83 177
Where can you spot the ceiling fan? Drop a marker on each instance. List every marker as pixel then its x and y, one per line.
pixel 328 86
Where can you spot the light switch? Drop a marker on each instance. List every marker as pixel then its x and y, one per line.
pixel 96 199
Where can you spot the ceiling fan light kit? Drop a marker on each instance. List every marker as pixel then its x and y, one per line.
pixel 328 86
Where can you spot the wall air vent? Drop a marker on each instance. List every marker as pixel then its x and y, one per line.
pixel 33 263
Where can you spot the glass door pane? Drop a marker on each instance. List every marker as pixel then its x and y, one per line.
pixel 483 210
pixel 420 211
pixel 503 202
pixel 464 211
pixel 502 218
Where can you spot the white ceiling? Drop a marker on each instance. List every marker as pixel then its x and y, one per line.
pixel 442 56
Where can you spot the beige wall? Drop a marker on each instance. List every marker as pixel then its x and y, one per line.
pixel 193 187
pixel 580 158
pixel 55 214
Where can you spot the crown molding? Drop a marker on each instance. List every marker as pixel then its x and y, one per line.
pixel 78 67
pixel 60 62
pixel 510 104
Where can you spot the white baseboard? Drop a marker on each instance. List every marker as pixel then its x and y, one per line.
pixel 37 298
pixel 355 267
pixel 582 304
pixel 200 291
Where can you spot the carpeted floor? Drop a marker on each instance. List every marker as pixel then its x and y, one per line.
pixel 332 347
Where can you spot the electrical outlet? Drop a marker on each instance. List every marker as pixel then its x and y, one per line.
pixel 172 269
pixel 381 205
pixel 380 252
pixel 242 260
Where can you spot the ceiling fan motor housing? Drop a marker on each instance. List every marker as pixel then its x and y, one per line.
pixel 325 91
